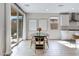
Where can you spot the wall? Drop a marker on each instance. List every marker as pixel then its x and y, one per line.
pixel 41 15
pixel 5 27
pixel 44 16
pixel 56 34
pixel 2 38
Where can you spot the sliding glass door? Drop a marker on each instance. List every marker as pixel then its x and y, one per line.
pixel 20 26
pixel 16 26
pixel 13 26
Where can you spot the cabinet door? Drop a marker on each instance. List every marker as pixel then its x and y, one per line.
pixel 64 20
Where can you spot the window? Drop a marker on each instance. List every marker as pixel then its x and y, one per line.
pixel 43 24
pixel 32 25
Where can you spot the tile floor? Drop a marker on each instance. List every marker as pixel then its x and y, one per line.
pixel 55 49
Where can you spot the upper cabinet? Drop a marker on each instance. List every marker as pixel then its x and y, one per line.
pixel 74 21
pixel 69 19
pixel 64 19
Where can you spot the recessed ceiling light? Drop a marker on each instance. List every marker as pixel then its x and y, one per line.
pixel 46 9
pixel 27 5
pixel 72 8
pixel 60 5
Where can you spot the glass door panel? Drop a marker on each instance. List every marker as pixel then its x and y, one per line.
pixel 13 26
pixel 20 26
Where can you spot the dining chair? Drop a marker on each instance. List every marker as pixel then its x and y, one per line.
pixel 39 43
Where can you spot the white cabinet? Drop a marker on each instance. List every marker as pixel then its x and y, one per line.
pixel 64 19
pixel 67 35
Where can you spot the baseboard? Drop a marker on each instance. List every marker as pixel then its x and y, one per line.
pixel 66 39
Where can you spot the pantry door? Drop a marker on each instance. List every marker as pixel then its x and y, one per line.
pixel 54 28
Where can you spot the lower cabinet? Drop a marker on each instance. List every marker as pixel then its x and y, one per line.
pixel 67 35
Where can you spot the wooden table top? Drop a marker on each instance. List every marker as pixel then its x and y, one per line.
pixel 76 36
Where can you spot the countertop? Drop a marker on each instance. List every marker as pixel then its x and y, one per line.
pixel 70 28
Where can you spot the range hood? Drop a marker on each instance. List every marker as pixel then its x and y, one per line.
pixel 73 22
pixel 74 17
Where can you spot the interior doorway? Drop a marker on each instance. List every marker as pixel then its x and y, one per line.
pixel 54 28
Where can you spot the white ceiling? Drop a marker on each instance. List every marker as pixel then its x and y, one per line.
pixel 49 7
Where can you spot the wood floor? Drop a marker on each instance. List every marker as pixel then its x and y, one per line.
pixel 56 48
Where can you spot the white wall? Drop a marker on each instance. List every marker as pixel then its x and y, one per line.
pixel 5 29
pixel 44 16
pixel 55 34
pixel 2 37
pixel 8 28
pixel 41 15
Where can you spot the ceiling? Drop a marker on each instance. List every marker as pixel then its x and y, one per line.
pixel 49 7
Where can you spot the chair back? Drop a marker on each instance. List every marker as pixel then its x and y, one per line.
pixel 39 38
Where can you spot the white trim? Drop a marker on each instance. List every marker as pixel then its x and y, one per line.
pixel 53 17
pixel 17 26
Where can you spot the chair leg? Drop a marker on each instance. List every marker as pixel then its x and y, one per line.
pixel 31 44
pixel 44 47
pixel 47 43
pixel 35 51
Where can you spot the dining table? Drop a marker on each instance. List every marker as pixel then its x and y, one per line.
pixel 39 40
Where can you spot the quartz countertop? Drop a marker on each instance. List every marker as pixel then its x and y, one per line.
pixel 71 28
